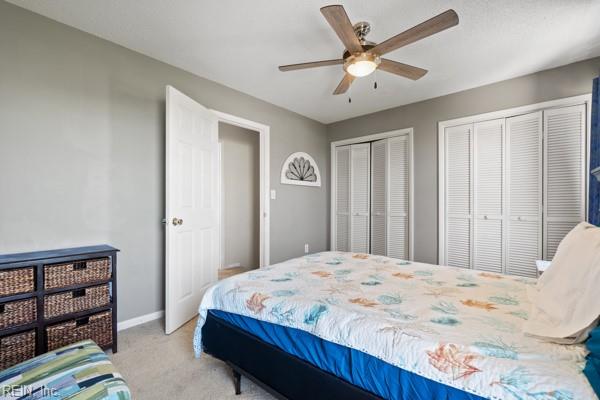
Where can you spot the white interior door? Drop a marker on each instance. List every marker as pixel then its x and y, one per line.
pixel 379 197
pixel 564 173
pixel 342 198
pixel 360 194
pixel 398 168
pixel 488 204
pixel 458 201
pixel 192 207
pixel 524 193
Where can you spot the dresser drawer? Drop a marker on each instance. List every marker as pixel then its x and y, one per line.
pixel 76 273
pixel 20 312
pixel 97 327
pixel 18 280
pixel 16 348
pixel 76 300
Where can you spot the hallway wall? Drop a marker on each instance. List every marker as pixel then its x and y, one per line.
pixel 240 169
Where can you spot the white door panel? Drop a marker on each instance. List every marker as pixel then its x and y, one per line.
pixel 524 189
pixel 360 197
pixel 488 232
pixel 379 197
pixel 342 200
pixel 398 201
pixel 458 195
pixel 564 173
pixel 192 207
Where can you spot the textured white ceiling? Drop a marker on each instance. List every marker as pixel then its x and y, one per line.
pixel 241 43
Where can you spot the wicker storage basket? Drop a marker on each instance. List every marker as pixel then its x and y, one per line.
pixel 97 327
pixel 13 281
pixel 76 273
pixel 20 312
pixel 16 348
pixel 76 300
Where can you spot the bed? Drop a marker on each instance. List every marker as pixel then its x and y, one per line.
pixel 344 325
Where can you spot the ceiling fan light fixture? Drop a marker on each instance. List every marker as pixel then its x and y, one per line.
pixel 361 64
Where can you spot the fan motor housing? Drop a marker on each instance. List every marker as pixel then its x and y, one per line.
pixel 361 29
pixel 367 47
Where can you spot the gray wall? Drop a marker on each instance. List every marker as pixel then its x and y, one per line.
pixel 240 180
pixel 82 152
pixel 570 80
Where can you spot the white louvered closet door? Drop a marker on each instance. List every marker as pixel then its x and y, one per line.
pixel 458 179
pixel 360 197
pixel 488 231
pixel 379 197
pixel 342 204
pixel 398 197
pixel 524 193
pixel 564 173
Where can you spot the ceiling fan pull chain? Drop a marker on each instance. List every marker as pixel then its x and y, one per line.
pixel 350 94
pixel 375 84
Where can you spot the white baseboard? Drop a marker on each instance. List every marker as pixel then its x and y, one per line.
pixel 142 319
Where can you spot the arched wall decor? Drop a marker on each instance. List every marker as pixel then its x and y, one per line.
pixel 300 169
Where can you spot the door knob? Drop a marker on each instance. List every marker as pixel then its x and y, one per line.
pixel 177 221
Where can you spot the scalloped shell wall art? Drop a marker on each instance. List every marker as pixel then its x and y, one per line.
pixel 300 169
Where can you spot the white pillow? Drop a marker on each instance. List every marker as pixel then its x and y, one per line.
pixel 542 265
pixel 565 301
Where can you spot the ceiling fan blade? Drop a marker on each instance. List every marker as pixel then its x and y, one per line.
pixel 445 20
pixel 344 84
pixel 405 70
pixel 339 21
pixel 293 67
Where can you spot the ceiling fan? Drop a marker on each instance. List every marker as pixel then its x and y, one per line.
pixel 362 57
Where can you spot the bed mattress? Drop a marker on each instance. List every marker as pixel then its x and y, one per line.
pixel 456 327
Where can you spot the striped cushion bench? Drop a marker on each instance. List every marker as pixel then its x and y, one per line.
pixel 80 371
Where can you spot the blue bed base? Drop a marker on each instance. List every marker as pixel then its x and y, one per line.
pixel 358 368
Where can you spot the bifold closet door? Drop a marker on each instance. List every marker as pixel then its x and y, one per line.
pixel 390 188
pixel 398 173
pixel 488 231
pixel 524 193
pixel 564 173
pixel 360 194
pixel 342 200
pixel 379 197
pixel 458 204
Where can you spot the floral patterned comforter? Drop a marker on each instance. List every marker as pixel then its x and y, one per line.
pixel 458 327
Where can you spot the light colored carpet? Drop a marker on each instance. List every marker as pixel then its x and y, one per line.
pixel 227 272
pixel 161 367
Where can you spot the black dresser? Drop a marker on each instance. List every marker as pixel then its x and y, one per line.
pixel 49 299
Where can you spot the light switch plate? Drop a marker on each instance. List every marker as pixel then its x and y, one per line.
pixel 273 194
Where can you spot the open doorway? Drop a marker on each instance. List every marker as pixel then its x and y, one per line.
pixel 239 154
pixel 193 205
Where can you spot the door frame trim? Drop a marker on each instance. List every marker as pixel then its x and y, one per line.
pixel 265 181
pixel 411 187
